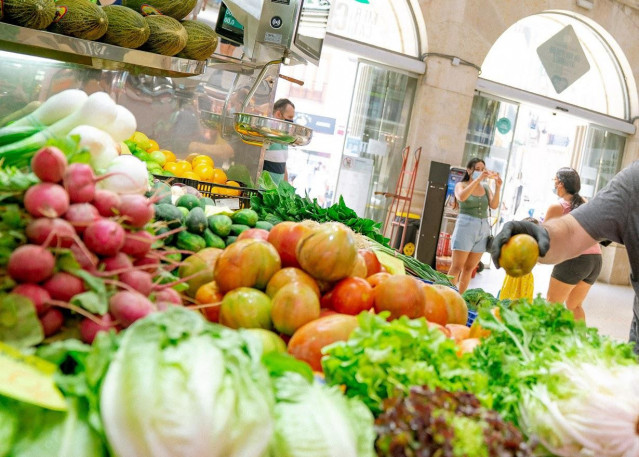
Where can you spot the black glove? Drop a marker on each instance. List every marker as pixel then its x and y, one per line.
pixel 514 228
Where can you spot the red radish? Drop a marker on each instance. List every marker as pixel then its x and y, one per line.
pixel 51 321
pixel 54 232
pixel 35 293
pixel 64 286
pixel 137 210
pixel 138 280
pixel 79 181
pixel 138 244
pixel 89 328
pixel 106 202
pixel 31 263
pixel 127 307
pixel 86 259
pixel 104 237
pixel 149 262
pixel 168 295
pixel 49 164
pixel 46 199
pixel 120 261
pixel 81 215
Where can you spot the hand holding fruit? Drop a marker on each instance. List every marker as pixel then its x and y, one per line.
pixel 505 236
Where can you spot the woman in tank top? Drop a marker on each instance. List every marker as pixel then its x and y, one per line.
pixel 473 226
pixel 571 280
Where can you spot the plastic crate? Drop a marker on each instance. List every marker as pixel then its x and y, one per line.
pixel 207 189
pixel 472 315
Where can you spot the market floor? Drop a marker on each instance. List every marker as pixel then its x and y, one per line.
pixel 607 307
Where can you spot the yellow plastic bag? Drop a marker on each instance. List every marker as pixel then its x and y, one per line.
pixel 516 288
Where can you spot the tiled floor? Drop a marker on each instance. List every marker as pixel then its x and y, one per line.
pixel 607 307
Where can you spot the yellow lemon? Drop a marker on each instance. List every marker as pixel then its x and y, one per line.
pixel 219 177
pixel 205 171
pixel 233 192
pixel 170 157
pixel 153 146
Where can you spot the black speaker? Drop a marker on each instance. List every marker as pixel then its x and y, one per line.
pixel 428 235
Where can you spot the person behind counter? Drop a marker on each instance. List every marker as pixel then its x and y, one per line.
pixel 277 154
pixel 472 229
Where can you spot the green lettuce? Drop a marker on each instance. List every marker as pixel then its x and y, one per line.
pixel 314 420
pixel 180 386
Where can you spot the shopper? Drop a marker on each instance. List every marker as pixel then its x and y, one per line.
pixel 277 154
pixel 571 280
pixel 472 229
pixel 612 214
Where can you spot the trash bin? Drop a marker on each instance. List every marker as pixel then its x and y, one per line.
pixel 411 232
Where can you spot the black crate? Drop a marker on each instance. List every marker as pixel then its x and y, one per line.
pixel 207 189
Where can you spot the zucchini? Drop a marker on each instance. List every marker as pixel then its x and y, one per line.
pixel 169 213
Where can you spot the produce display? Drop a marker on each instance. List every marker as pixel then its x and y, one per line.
pixel 155 26
pixel 142 319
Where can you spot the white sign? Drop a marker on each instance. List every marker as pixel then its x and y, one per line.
pixel 563 58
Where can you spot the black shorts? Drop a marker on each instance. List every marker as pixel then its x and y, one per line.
pixel 584 268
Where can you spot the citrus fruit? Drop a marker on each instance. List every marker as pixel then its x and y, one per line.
pixel 170 157
pixel 141 140
pixel 219 191
pixel 158 158
pixel 172 167
pixel 202 159
pixel 233 192
pixel 153 146
pixel 519 255
pixel 182 167
pixel 219 177
pixel 204 171
pixel 191 175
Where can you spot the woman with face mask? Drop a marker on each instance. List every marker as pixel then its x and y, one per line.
pixel 571 280
pixel 472 228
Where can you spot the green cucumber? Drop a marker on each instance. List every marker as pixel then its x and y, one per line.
pixel 212 240
pixel 220 224
pixel 196 221
pixel 167 240
pixel 264 225
pixel 190 242
pixel 236 229
pixel 169 213
pixel 245 217
pixel 188 201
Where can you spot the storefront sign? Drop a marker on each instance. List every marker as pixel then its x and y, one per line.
pixel 319 124
pixel 563 58
pixel 504 125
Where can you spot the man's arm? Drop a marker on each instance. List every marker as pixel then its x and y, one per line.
pixel 285 173
pixel 568 239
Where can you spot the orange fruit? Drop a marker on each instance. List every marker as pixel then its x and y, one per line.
pixel 170 157
pixel 234 192
pixel 204 171
pixel 219 177
pixel 201 158
pixel 519 255
pixel 172 167
pixel 154 146
pixel 219 191
pixel 182 167
pixel 190 175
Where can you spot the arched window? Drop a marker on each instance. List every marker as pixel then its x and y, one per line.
pixel 389 24
pixel 514 60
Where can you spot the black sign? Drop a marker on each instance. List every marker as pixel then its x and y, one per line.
pixel 276 22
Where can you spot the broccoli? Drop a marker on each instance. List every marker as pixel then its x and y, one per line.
pixel 478 299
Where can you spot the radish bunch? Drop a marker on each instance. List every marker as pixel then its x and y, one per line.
pixel 105 234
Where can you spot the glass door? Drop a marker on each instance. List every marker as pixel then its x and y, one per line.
pixel 375 137
pixel 601 159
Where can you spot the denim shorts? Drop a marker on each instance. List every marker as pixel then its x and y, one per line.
pixel 470 234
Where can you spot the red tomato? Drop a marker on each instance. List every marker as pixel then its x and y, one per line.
pixel 352 296
pixel 307 342
pixel 258 234
pixel 284 236
pixel 375 279
pixel 326 300
pixel 401 295
pixel 435 309
pixel 372 262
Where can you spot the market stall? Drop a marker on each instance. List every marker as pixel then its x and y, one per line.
pixel 152 303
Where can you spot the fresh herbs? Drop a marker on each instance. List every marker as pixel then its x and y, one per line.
pixel 440 423
pixel 382 359
pixel 13 220
pixel 279 203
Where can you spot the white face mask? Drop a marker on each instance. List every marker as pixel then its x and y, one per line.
pixel 476 174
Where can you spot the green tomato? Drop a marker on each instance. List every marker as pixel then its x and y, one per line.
pixel 158 157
